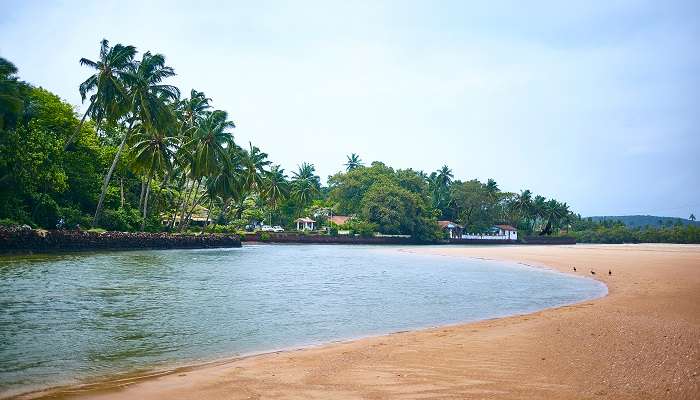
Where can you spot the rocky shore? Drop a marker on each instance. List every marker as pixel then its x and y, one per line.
pixel 20 240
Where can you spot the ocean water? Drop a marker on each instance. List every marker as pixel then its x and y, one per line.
pixel 75 318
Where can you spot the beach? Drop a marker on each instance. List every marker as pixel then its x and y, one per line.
pixel 642 340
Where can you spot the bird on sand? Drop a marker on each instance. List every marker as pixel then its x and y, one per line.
pixel 592 272
pixel 609 272
pixel 574 269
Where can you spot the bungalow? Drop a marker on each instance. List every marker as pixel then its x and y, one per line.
pixel 305 224
pixel 508 231
pixel 453 231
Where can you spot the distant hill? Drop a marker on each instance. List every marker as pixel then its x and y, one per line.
pixel 635 221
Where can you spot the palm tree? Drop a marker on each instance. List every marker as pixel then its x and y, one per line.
pixel 227 184
pixel 110 98
pixel 492 189
pixel 207 154
pixel 522 204
pixel 276 187
pixel 209 142
pixel 153 152
pixel 692 217
pixel 354 162
pixel 190 109
pixel 255 162
pixel 305 184
pixel 150 104
pixel 444 176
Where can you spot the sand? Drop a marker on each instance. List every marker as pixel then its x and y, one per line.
pixel 642 341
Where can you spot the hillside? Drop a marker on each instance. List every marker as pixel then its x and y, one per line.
pixel 635 221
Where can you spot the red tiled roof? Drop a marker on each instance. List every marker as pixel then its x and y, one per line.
pixel 444 224
pixel 339 219
pixel 507 228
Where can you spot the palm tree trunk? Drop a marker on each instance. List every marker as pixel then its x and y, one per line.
pixel 145 202
pixel 195 203
pixel 105 184
pixel 211 204
pixel 143 191
pixel 183 211
pixel 77 130
pixel 121 191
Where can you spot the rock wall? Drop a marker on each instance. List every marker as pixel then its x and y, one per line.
pixel 29 240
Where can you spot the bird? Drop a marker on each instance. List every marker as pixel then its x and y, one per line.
pixel 574 269
pixel 609 272
pixel 592 272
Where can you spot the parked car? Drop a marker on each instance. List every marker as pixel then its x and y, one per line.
pixel 267 228
pixel 277 228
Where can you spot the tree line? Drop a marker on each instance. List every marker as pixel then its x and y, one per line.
pixel 143 156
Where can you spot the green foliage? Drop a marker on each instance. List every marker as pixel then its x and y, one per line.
pixel 359 227
pixel 619 233
pixel 125 219
pixel 265 237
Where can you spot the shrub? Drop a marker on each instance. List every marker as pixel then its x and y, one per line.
pixel 46 212
pixel 362 228
pixel 125 219
pixel 8 222
pixel 265 237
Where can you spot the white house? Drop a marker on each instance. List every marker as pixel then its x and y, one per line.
pixel 508 231
pixel 305 224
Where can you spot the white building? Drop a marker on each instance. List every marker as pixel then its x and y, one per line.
pixel 305 224
pixel 498 232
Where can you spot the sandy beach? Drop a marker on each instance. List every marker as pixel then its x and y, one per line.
pixel 642 341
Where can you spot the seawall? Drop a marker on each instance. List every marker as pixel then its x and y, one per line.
pixel 30 240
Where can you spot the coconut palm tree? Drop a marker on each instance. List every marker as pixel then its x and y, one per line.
pixel 192 108
pixel 150 104
pixel 305 184
pixel 276 188
pixel 153 153
pixel 209 142
pixel 492 189
pixel 109 99
pixel 354 162
pixel 207 154
pixel 444 176
pixel 255 162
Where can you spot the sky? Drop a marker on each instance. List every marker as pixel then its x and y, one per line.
pixel 595 103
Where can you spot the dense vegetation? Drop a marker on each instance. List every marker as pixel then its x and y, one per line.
pixel 589 230
pixel 145 157
pixel 648 221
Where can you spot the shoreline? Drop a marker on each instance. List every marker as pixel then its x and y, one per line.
pixel 191 379
pixel 127 378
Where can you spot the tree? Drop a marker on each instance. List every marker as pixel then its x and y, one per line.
pixel 444 176
pixel 255 162
pixel 149 104
pixel 354 161
pixel 276 188
pixel 11 96
pixel 110 99
pixel 153 154
pixel 305 184
pixel 692 217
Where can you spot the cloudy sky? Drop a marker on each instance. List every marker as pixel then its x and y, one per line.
pixel 596 103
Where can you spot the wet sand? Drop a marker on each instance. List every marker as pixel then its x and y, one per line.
pixel 642 341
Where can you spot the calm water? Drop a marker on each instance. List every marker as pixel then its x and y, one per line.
pixel 74 318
